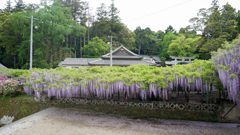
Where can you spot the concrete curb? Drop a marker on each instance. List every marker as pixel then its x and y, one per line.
pixel 26 122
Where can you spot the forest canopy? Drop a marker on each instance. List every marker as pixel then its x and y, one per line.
pixel 69 29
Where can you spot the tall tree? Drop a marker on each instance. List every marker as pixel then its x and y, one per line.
pixel 165 44
pixel 160 34
pixel 215 4
pixel 228 22
pixel 140 35
pixel 19 7
pixel 217 26
pixel 187 32
pixel 170 28
pixel 52 22
pixel 77 7
pixel 9 7
pixel 53 27
pixel 96 48
pixel 31 8
pixel 183 47
pixel 115 19
pixel 126 37
pixel 238 22
pixel 147 41
pixel 84 20
pixel 102 23
pixel 13 34
pixel 149 46
pixel 199 22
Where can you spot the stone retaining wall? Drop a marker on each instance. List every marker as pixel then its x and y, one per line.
pixel 230 111
pixel 210 108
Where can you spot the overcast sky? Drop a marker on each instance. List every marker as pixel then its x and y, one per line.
pixel 155 14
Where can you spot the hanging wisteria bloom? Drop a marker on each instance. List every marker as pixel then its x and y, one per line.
pixel 227 62
pixel 141 80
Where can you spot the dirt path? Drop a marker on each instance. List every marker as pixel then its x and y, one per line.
pixel 82 122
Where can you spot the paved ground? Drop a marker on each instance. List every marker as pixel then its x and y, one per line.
pixel 83 122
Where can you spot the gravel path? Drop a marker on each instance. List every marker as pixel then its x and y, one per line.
pixel 83 122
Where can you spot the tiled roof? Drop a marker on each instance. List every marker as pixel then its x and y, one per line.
pixel 169 62
pixel 60 64
pixel 2 66
pixel 121 57
pixel 155 57
pixel 103 62
pixel 77 61
pixel 175 57
pixel 148 60
pixel 122 53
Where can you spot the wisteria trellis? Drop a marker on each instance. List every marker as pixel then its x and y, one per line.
pixel 227 62
pixel 104 81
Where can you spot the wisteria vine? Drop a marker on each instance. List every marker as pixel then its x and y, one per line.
pixel 227 64
pixel 104 81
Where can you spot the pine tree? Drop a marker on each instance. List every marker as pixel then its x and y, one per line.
pixel 215 4
pixel 19 7
pixel 8 6
pixel 114 18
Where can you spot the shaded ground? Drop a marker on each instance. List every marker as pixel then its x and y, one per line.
pixel 23 106
pixel 84 122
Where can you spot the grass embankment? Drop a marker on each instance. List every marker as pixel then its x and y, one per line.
pixel 23 105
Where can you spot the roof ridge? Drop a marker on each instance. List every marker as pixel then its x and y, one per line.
pixel 122 46
pixel 94 60
pixel 148 61
pixel 2 66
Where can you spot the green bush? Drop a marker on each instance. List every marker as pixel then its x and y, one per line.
pixel 10 87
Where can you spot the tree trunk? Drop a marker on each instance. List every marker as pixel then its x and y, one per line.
pixel 101 31
pixel 51 49
pixel 96 30
pixel 224 94
pixel 80 47
pixel 88 34
pixel 28 60
pixel 88 24
pixel 83 43
pixel 60 54
pixel 75 46
pixel 14 61
pixel 166 94
pixel 66 44
pixel 70 47
pixel 55 56
pixel 220 95
pixel 51 55
pixel 139 48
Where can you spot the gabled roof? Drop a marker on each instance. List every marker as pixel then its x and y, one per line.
pixel 60 64
pixel 2 66
pixel 121 57
pixel 122 53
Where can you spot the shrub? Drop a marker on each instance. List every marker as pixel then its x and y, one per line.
pixel 2 79
pixel 9 87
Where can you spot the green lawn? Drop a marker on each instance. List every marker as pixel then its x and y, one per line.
pixel 18 98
